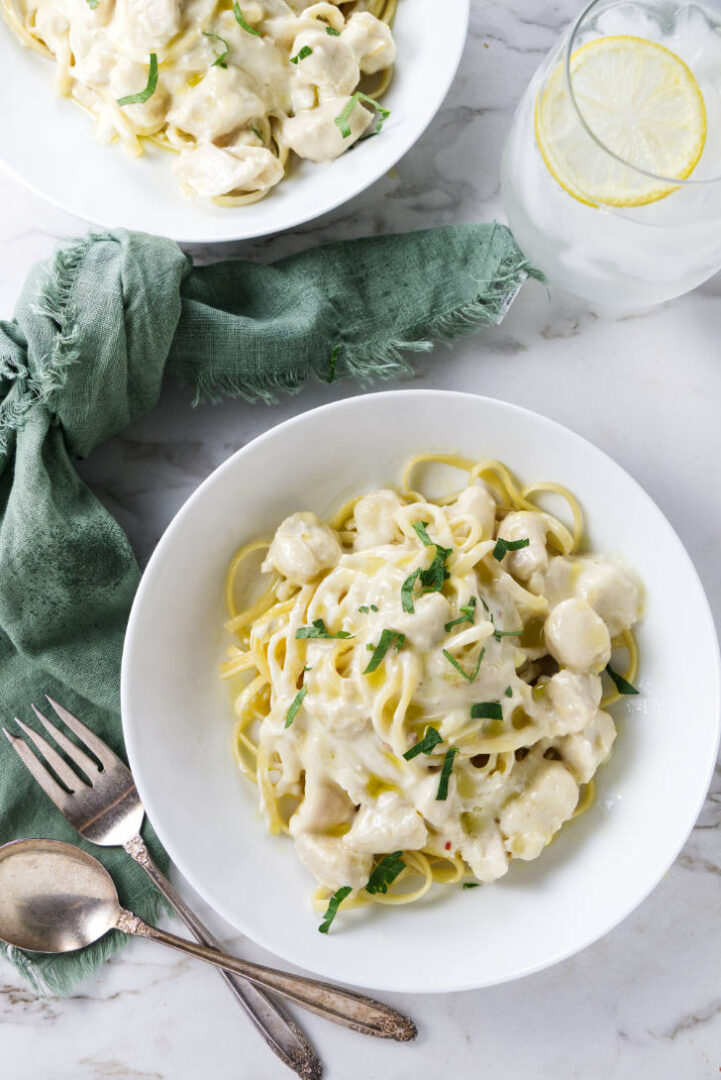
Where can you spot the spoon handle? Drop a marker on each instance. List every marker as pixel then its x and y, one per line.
pixel 280 1032
pixel 343 1007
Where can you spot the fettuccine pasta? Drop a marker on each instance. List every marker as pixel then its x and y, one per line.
pixel 234 88
pixel 420 689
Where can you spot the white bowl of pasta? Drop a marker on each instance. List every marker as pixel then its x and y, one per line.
pixel 418 693
pixel 257 102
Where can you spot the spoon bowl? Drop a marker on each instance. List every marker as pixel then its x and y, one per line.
pixel 55 897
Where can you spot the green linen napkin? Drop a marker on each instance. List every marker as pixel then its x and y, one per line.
pixel 94 331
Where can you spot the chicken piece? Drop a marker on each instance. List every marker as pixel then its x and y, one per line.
pixel 375 521
pixel 98 15
pixel 371 41
pixel 302 548
pixel 476 501
pixel 253 12
pixel 324 805
pixel 126 78
pixel 330 65
pixel 314 134
pixel 210 170
pixel 530 820
pixel 577 637
pixel 391 823
pixel 333 863
pixel 96 64
pixel 586 750
pixel 532 560
pixel 486 854
pixel 612 592
pixel 147 24
pixel 302 97
pixel 607 585
pixel 561 578
pixel 573 701
pixel 222 101
pixel 426 626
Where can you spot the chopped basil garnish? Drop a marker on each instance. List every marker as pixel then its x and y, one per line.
pixel 364 608
pixel 295 705
pixel 387 638
pixel 332 910
pixel 421 527
pixel 301 54
pixel 92 4
pixel 374 607
pixel 426 744
pixel 487 710
pixel 407 591
pixel 342 119
pixel 370 648
pixel 257 133
pixel 502 546
pixel 143 95
pixel 385 873
pixel 508 692
pixel 319 630
pixel 248 29
pixel 468 614
pixel 457 666
pixel 332 31
pixel 431 579
pixel 471 885
pixel 222 59
pixel 622 685
pixel 442 793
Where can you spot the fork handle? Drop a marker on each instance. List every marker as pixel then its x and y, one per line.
pixel 281 1033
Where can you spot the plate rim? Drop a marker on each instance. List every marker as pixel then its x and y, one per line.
pixel 325 971
pixel 462 12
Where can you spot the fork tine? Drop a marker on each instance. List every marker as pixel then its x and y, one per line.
pixel 49 785
pixel 58 764
pixel 102 752
pixel 81 759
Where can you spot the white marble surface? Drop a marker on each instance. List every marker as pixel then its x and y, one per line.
pixel 643 1003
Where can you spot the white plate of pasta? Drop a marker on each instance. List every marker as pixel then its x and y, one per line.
pixel 212 120
pixel 424 701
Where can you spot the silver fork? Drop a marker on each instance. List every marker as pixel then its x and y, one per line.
pixel 107 811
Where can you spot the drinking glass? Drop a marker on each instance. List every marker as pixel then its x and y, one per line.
pixel 633 83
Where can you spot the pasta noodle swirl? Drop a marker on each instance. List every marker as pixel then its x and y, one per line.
pixel 418 691
pixel 233 90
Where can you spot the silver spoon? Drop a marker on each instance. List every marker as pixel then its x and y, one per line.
pixel 55 898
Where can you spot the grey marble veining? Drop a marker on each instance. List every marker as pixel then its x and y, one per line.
pixel 644 1003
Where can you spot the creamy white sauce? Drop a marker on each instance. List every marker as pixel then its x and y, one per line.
pixel 232 125
pixel 514 781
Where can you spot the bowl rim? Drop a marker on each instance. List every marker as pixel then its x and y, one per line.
pixel 710 634
pixel 461 16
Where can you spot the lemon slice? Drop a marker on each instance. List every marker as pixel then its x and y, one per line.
pixel 641 101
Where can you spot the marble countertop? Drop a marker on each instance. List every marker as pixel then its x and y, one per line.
pixel 644 1003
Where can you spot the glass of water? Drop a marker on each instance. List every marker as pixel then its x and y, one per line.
pixel 612 168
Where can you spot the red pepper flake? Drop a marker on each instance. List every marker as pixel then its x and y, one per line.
pixel 448 845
